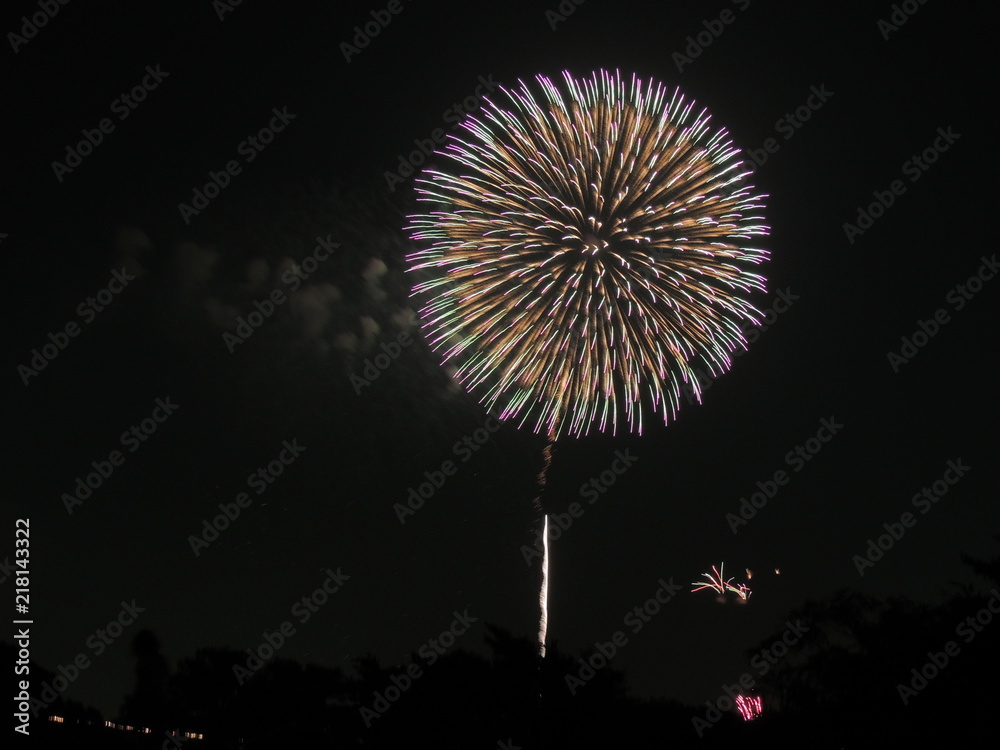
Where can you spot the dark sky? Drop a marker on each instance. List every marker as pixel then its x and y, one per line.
pixel 324 176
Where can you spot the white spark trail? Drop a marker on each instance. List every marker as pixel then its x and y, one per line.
pixel 543 595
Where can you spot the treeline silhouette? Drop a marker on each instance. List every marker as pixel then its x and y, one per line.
pixel 838 687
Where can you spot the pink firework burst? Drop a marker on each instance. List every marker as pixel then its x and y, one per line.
pixel 749 706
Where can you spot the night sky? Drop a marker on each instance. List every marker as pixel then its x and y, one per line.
pixel 868 99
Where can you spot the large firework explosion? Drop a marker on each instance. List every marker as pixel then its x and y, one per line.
pixel 590 247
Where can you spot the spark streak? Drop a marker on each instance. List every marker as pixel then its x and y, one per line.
pixel 543 596
pixel 749 706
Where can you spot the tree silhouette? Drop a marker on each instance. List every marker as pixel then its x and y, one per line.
pixel 873 671
pixel 861 671
pixel 146 706
pixel 989 569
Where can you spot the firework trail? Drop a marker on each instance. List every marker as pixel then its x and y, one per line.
pixel 543 596
pixel 543 592
pixel 547 458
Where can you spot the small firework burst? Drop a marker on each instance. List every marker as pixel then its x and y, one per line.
pixel 749 706
pixel 718 583
pixel 590 246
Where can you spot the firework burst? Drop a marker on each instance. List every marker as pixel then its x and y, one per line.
pixel 589 247
pixel 718 583
pixel 749 706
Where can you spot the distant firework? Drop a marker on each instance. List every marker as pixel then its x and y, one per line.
pixel 721 585
pixel 588 247
pixel 749 706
